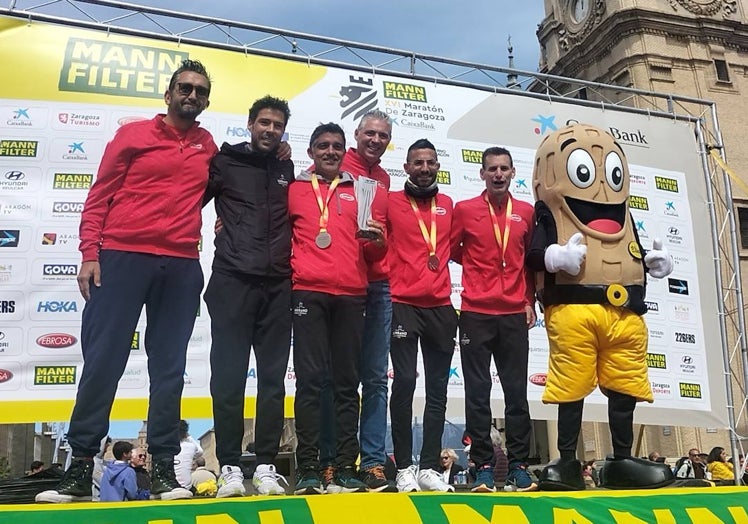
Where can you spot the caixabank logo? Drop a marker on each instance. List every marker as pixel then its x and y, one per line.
pixel 112 68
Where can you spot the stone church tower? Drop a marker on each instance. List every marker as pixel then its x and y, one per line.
pixel 697 48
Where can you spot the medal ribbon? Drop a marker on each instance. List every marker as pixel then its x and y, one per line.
pixel 502 239
pixel 323 208
pixel 429 238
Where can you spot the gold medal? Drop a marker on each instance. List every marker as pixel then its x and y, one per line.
pixel 323 240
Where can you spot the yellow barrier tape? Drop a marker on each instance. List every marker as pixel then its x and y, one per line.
pixel 733 176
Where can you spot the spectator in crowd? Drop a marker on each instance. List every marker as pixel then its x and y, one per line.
pixel 118 482
pixel 142 477
pixel 190 449
pixel 654 456
pixel 36 467
pixel 719 468
pixel 204 480
pixel 139 239
pixel 449 466
pixel 500 460
pixel 589 474
pixel 99 466
pixel 691 466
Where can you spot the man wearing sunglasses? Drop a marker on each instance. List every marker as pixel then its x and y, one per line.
pixel 139 236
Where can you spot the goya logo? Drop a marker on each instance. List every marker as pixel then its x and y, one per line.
pixel 639 202
pixel 400 91
pixel 60 269
pixel 67 207
pixel 5 375
pixel 666 184
pixel 135 342
pixel 443 177
pixel 689 390
pixel 656 361
pixel 472 156
pixel 56 340
pixel 16 148
pixel 538 379
pixel 54 375
pixel 72 181
pixel 96 66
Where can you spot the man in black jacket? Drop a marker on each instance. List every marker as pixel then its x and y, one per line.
pixel 249 294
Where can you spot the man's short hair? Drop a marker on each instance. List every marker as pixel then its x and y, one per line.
pixel 270 102
pixel 120 449
pixel 200 462
pixel 375 114
pixel 36 465
pixel 194 66
pixel 330 127
pixel 421 143
pixel 496 151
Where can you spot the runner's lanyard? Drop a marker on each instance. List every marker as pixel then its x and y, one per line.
pixel 429 238
pixel 501 239
pixel 323 208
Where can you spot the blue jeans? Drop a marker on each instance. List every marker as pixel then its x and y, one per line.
pixel 375 352
pixel 373 373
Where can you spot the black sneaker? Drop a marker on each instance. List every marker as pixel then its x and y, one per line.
pixel 164 483
pixel 347 479
pixel 375 480
pixel 75 485
pixel 307 482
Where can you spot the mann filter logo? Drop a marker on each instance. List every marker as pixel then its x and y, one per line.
pixel 443 177
pixel 358 97
pixel 54 375
pixel 96 66
pixel 688 390
pixel 639 202
pixel 400 91
pixel 19 148
pixel 656 361
pixel 72 181
pixel 472 156
pixel 666 184
pixel 135 342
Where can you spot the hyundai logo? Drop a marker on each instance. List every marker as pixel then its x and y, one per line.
pixel 15 175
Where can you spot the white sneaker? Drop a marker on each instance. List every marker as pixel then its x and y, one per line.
pixel 52 495
pixel 406 479
pixel 231 482
pixel 265 480
pixel 430 480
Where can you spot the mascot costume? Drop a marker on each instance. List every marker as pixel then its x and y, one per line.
pixel 591 284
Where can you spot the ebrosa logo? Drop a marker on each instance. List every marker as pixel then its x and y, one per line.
pixel 538 379
pixel 56 340
pixel 5 375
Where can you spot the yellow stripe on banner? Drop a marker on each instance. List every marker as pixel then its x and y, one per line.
pixel 30 411
pixel 735 178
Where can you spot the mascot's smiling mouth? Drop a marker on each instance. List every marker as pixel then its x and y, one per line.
pixel 601 217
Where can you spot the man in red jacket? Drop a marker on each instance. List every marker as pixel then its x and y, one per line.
pixel 328 266
pixel 139 235
pixel 490 235
pixel 372 138
pixel 419 220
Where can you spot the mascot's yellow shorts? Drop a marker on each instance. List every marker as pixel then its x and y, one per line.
pixel 595 343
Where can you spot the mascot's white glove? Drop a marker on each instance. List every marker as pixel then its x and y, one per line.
pixel 568 257
pixel 658 260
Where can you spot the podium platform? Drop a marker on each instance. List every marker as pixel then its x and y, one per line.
pixel 718 505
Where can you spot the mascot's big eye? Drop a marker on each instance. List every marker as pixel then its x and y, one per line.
pixel 580 168
pixel 614 171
